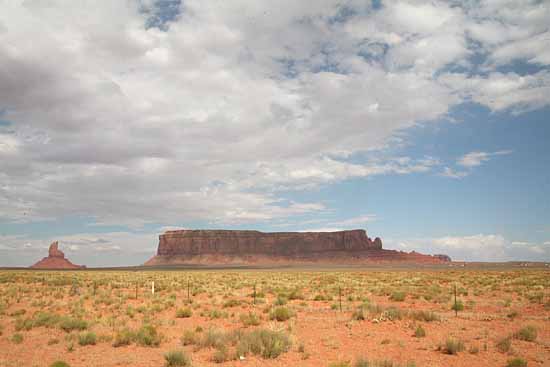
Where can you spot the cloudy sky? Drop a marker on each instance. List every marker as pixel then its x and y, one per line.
pixel 425 122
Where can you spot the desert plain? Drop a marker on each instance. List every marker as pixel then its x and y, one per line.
pixel 276 317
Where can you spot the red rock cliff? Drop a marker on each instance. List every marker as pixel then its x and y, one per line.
pixel 242 247
pixel 198 242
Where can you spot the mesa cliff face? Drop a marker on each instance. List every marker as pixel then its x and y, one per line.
pixel 211 247
pixel 55 260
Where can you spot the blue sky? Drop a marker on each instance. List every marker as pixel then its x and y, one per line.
pixel 424 122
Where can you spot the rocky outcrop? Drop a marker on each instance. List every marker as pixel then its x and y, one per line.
pixel 210 247
pixel 56 260
pixel 443 257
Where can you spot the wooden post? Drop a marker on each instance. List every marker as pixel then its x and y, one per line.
pixel 456 306
pixel 153 287
pixel 136 290
pixel 188 292
pixel 340 297
pixel 254 293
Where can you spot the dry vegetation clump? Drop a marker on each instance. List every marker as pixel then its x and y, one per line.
pixel 177 358
pixel 184 313
pixel 280 314
pixel 59 364
pixel 516 362
pixel 452 346
pixel 527 333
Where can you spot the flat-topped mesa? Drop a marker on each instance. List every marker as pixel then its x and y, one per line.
pixel 222 247
pixel 228 242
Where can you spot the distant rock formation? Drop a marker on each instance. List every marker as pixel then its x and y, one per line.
pixel 219 247
pixel 56 260
pixel 443 257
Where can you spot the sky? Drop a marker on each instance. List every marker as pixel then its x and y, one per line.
pixel 424 122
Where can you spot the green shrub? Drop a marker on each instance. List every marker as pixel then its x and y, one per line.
pixel 426 316
pixel 516 362
pixel 280 301
pixel 250 319
pixel 420 332
pixel 45 319
pixel 59 364
pixel 216 314
pixel 512 314
pixel 69 324
pixel 393 313
pixel 148 336
pixel 527 333
pixel 17 338
pixel 19 312
pixel 177 358
pixel 504 344
pixel 87 338
pixel 398 296
pixel 296 294
pixel 280 314
pixel 184 313
pixel 458 306
pixel 213 338
pixel 340 364
pixel 221 354
pixel 189 337
pixel 358 314
pixel 123 337
pixel 453 346
pixel 266 343
pixel 23 324
pixel 231 303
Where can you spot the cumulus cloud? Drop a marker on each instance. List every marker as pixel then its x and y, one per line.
pixel 115 116
pixel 131 113
pixel 470 160
pixel 478 247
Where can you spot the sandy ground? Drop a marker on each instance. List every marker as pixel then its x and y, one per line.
pixel 327 335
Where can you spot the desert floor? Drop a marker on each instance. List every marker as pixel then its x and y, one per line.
pixel 276 318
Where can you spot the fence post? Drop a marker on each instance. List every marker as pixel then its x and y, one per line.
pixel 153 287
pixel 456 306
pixel 254 293
pixel 340 297
pixel 188 292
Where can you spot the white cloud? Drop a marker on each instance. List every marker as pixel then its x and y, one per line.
pixel 360 220
pixel 474 159
pixel 469 161
pixel 322 229
pixel 211 118
pixel 479 247
pixel 503 91
pixel 449 172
